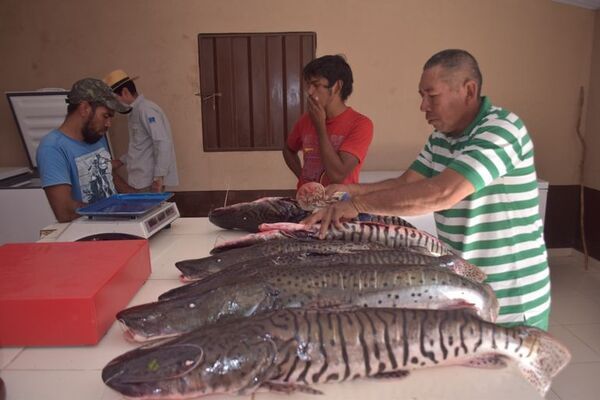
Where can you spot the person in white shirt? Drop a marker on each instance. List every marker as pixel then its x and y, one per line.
pixel 150 158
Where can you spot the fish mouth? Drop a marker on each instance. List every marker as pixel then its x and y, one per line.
pixel 193 270
pixel 132 335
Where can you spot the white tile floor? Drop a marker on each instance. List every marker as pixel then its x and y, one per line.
pixel 575 320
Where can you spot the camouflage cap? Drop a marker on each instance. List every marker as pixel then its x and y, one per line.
pixel 95 91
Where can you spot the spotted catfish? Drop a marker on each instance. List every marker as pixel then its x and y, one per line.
pixel 393 236
pixel 386 256
pixel 290 350
pixel 271 288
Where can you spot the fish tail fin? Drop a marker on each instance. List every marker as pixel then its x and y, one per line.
pixel 549 358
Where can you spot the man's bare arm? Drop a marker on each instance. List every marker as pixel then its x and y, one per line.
pixel 417 196
pixel 408 176
pixel 61 202
pixel 292 160
pixel 338 165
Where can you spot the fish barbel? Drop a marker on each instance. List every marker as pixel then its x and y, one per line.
pixel 393 257
pixel 272 288
pixel 289 350
pixel 393 236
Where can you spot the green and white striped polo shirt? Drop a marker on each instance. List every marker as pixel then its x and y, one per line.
pixel 498 228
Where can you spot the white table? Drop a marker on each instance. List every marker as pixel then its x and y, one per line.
pixel 74 373
pixel 23 212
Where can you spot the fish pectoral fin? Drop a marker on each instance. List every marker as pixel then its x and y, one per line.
pixel 460 304
pixel 421 250
pixel 401 373
pixel 489 361
pixel 288 388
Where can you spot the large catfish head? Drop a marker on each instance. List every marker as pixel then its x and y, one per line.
pixel 248 216
pixel 201 363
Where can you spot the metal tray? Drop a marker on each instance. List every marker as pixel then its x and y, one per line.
pixel 124 205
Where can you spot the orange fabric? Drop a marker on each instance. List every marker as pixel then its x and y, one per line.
pixel 350 132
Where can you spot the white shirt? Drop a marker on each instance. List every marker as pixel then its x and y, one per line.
pixel 151 152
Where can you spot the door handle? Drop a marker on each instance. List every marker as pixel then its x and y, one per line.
pixel 212 97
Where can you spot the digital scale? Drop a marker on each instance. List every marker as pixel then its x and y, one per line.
pixel 122 216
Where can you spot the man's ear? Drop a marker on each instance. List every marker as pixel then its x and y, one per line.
pixel 337 87
pixel 471 90
pixel 84 109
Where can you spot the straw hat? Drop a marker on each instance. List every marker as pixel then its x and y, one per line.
pixel 117 78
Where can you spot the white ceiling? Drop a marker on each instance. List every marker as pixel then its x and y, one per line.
pixel 589 4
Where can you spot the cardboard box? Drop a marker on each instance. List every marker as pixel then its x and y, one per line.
pixel 67 293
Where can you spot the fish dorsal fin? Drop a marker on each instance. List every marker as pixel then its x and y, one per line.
pixel 461 305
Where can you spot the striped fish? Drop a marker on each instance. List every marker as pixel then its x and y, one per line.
pixel 383 219
pixel 249 215
pixel 272 288
pixel 290 350
pixel 393 236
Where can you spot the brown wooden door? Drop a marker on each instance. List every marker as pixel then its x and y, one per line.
pixel 251 88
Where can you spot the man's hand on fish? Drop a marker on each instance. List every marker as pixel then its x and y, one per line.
pixel 334 213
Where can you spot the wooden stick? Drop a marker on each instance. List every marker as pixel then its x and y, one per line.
pixel 581 186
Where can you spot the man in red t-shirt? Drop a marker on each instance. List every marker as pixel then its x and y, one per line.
pixel 334 138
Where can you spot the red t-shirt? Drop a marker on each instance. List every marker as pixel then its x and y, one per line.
pixel 350 132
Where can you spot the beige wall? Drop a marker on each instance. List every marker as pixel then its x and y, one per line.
pixel 535 54
pixel 592 133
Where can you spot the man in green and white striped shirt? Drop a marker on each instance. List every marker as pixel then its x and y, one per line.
pixel 477 174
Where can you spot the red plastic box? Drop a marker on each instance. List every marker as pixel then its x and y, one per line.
pixel 67 293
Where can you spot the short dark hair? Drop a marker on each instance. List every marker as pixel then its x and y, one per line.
pixel 129 85
pixel 455 60
pixel 333 68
